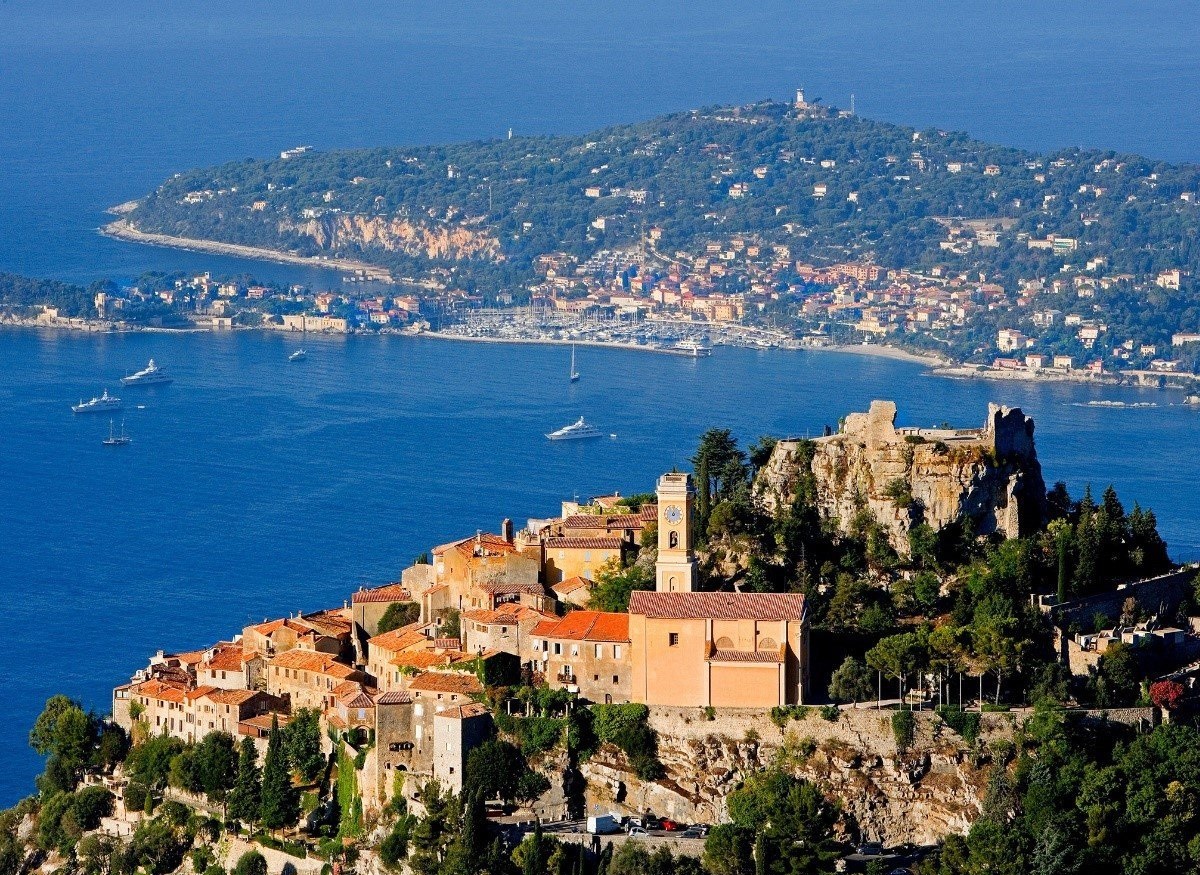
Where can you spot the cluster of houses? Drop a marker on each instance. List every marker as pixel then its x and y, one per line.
pixel 414 696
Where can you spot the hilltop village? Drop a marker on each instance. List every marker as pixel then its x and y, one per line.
pixel 489 610
pixel 872 648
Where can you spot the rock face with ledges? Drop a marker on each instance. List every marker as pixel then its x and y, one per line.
pixel 920 795
pixel 907 476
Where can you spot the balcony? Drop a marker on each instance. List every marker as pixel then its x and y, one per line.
pixel 565 677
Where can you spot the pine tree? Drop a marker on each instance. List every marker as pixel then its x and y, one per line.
pixel 245 800
pixel 280 802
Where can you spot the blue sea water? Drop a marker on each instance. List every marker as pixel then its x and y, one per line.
pixel 254 487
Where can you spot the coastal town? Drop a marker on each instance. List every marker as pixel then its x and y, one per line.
pixel 488 610
pixel 631 670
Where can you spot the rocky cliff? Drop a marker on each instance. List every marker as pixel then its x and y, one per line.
pixel 934 788
pixel 340 231
pixel 903 477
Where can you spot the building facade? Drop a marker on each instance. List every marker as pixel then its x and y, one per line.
pixel 719 649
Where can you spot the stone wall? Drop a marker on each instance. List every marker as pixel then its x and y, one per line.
pixel 1157 595
pixel 934 788
pixel 907 476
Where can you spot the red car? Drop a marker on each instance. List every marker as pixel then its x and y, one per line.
pixel 669 825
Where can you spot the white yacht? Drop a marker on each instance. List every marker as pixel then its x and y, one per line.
pixel 151 375
pixel 576 431
pixel 102 404
pixel 692 348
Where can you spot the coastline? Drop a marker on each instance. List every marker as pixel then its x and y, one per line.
pixel 122 229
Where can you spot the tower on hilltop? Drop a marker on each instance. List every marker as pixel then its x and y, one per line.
pixel 801 103
pixel 675 570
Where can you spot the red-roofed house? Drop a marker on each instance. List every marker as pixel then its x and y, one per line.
pixel 585 652
pixel 733 650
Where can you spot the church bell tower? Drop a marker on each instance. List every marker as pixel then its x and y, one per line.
pixel 675 570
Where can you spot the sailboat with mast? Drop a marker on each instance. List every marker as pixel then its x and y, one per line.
pixel 117 440
pixel 574 373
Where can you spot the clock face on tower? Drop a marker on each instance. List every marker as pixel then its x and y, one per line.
pixel 674 515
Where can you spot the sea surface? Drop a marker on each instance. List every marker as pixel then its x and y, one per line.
pixel 254 487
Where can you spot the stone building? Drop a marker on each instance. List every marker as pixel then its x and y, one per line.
pixel 585 652
pixel 457 730
pixel 368 606
pixel 720 649
pixel 306 678
pixel 500 630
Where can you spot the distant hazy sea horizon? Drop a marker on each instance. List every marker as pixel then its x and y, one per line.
pixel 254 487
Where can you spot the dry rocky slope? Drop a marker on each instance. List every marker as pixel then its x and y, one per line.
pixel 933 788
pixel 907 476
pixel 342 232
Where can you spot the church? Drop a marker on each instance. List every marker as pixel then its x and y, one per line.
pixel 719 649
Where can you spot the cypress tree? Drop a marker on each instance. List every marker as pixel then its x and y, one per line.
pixel 246 798
pixel 1064 538
pixel 280 802
pixel 703 498
pixel 533 862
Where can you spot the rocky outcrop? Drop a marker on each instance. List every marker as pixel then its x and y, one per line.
pixel 340 231
pixel 934 788
pixel 907 476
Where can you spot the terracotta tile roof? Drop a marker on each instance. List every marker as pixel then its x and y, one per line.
pixel 359 700
pixel 745 656
pixel 189 657
pixel 584 543
pixel 269 627
pixel 346 688
pixel 485 543
pixel 717 605
pixel 225 657
pixel 395 697
pixel 508 587
pixel 199 692
pixel 446 682
pixel 161 691
pixel 232 697
pixel 506 615
pixel 607 522
pixel 311 660
pixel 586 626
pixel 399 639
pixel 421 659
pixel 263 721
pixel 464 712
pixel 331 623
pixel 392 592
pixel 572 584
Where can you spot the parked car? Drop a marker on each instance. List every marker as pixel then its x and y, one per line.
pixel 691 834
pixel 636 832
pixel 701 828
pixel 669 825
pixel 869 849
